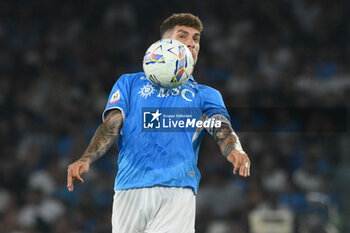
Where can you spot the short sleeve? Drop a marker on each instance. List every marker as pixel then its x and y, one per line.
pixel 119 97
pixel 213 103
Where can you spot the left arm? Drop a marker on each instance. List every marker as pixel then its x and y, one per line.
pixel 231 149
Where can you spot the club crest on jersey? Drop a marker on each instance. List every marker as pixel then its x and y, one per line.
pixel 115 98
pixel 147 90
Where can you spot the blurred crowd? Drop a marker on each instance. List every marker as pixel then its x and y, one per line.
pixel 60 59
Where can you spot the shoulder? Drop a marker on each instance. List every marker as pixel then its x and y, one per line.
pixel 205 90
pixel 201 88
pixel 131 77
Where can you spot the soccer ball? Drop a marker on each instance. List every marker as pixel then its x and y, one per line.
pixel 168 63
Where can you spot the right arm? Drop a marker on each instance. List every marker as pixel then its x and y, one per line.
pixel 104 137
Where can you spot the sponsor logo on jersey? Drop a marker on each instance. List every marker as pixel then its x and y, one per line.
pixel 149 89
pixel 185 93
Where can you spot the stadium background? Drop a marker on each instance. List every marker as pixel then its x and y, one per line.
pixel 59 60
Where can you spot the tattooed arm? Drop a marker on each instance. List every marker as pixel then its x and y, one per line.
pixel 232 150
pixel 104 137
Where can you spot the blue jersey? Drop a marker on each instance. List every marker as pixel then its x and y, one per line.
pixel 152 157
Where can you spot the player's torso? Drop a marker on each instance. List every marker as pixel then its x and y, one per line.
pixel 151 157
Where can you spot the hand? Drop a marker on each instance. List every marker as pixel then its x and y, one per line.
pixel 74 172
pixel 240 161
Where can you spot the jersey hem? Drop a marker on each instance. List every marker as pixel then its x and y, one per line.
pixel 157 185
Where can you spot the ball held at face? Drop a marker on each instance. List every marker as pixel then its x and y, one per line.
pixel 168 63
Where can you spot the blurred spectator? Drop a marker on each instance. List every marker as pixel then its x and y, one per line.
pixel 307 178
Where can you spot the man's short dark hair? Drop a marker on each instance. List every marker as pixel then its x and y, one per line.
pixel 181 19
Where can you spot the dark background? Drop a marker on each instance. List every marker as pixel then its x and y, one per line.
pixel 60 59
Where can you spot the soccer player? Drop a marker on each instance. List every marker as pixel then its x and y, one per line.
pixel 158 178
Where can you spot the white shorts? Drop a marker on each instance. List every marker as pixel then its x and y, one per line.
pixel 154 210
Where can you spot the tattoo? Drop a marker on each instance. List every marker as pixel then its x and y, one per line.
pixel 225 138
pixel 104 137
